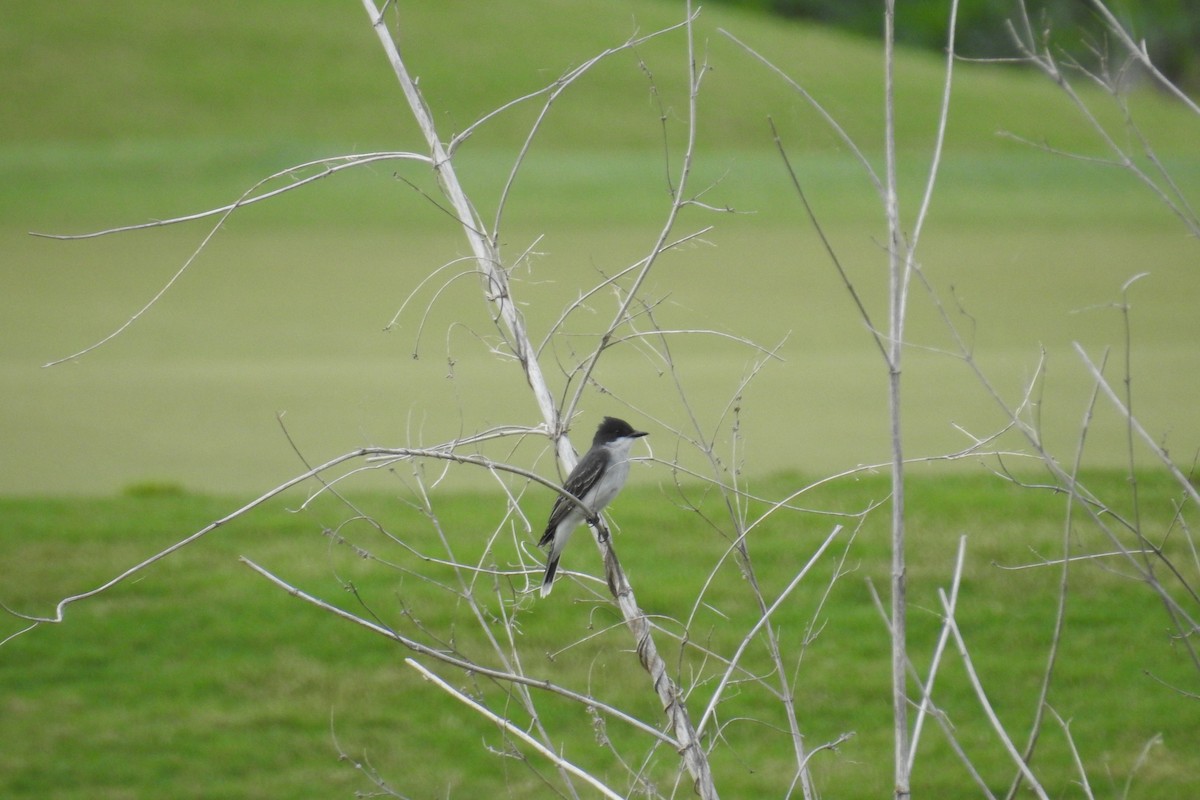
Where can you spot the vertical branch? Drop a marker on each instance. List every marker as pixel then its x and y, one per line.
pixel 902 265
pixel 943 119
pixel 909 267
pixel 896 294
pixel 1130 439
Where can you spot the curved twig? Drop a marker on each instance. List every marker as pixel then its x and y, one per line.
pixel 339 163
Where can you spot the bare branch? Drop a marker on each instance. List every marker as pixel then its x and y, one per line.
pixel 487 257
pixel 1141 54
pixel 387 456
pixel 553 92
pixel 329 166
pixel 1137 427
pixel 1079 767
pixel 1060 615
pixel 829 119
pixel 898 280
pixel 1041 57
pixel 511 730
pixel 460 663
pixel 762 621
pixel 695 75
pixel 837 262
pixel 497 290
pixel 985 704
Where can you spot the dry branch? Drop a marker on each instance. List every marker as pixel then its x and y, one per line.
pixel 512 730
pixel 497 290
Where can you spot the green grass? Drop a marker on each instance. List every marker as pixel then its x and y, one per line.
pixel 302 72
pixel 289 321
pixel 197 679
pixel 130 114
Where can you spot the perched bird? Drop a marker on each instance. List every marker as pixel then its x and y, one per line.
pixel 596 479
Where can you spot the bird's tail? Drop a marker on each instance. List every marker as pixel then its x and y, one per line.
pixel 551 568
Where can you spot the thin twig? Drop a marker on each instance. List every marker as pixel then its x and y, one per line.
pixel 829 118
pixel 943 638
pixel 512 730
pixel 389 454
pixel 330 166
pixel 984 703
pixel 1084 784
pixel 1060 615
pixel 1137 427
pixel 763 620
pixel 552 93
pixel 460 663
pixel 497 289
pixel 829 250
pixel 695 75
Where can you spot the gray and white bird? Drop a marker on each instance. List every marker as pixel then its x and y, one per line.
pixel 596 479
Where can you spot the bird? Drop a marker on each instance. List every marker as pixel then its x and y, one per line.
pixel 596 479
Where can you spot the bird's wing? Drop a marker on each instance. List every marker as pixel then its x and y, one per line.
pixel 561 506
pixel 581 479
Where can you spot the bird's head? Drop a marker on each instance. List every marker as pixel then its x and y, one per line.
pixel 612 429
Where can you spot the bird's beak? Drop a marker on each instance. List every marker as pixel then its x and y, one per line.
pixel 638 434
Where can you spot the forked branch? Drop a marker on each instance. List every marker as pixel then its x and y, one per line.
pixel 498 291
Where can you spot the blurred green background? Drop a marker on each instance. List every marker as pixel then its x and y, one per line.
pixel 197 681
pixel 119 113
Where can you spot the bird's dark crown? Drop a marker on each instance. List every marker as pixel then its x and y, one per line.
pixel 612 429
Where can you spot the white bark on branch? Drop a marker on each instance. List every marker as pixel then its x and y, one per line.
pixel 487 256
pixel 497 290
pixel 512 730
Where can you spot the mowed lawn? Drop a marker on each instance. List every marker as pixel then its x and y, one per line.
pixel 200 679
pixel 343 315
pixel 278 319
pixel 131 116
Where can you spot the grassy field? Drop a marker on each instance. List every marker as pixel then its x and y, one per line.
pixel 199 679
pixel 129 114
